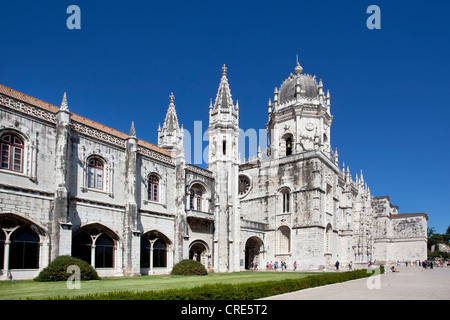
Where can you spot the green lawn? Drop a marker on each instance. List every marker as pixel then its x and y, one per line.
pixel 29 289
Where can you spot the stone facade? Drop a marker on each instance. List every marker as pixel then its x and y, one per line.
pixel 72 186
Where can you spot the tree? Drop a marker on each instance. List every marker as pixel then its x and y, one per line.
pixel 431 232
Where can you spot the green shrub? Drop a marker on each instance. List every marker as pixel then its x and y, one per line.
pixel 189 268
pixel 57 270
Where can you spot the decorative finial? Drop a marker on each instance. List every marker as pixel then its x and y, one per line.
pixel 224 70
pixel 298 69
pixel 132 130
pixel 172 98
pixel 64 105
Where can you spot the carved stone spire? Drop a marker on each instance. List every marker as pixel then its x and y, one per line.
pixel 132 130
pixel 64 105
pixel 223 97
pixel 171 121
pixel 170 136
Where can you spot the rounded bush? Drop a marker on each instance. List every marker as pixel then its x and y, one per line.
pixel 57 270
pixel 189 268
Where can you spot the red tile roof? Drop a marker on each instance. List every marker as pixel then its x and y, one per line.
pixel 75 117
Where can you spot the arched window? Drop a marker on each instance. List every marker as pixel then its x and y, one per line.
pixel 154 248
pixel 153 188
pixel 82 246
pixel 104 251
pixel 289 146
pixel 198 196
pixel 12 152
pixel 24 249
pixel 196 193
pixel 95 173
pixel 286 199
pixel 191 199
pixel 159 254
pixel 95 245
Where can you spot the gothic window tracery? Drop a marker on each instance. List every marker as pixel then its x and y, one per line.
pixel 244 185
pixel 196 195
pixel 95 245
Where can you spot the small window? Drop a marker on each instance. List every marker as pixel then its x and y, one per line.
pixel 12 153
pixel 198 196
pixel 224 147
pixel 95 173
pixel 153 188
pixel 191 199
pixel 285 201
pixel 288 146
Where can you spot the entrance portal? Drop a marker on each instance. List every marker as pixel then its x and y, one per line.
pixel 253 248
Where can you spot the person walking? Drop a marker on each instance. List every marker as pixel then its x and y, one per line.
pixel 295 265
pixel 337 265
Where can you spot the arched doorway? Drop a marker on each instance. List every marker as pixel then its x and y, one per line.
pixel 253 249
pixel 198 250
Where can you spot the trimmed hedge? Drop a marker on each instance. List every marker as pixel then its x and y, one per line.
pixel 189 268
pixel 57 270
pixel 244 291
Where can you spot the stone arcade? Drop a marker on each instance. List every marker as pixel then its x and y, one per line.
pixel 72 186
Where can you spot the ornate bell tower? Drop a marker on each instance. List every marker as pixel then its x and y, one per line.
pixel 223 135
pixel 299 117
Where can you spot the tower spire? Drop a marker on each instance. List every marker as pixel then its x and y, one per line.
pixel 224 101
pixel 171 121
pixel 170 136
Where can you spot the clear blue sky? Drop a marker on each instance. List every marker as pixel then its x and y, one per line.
pixel 389 87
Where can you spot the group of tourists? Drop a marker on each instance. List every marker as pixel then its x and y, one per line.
pixel 282 265
pixel 426 264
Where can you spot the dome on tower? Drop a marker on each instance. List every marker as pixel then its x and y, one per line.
pixel 308 85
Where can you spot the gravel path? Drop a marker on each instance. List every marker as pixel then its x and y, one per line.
pixel 410 283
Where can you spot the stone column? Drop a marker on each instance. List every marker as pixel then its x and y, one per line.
pixel 61 234
pixel 131 235
pixel 6 273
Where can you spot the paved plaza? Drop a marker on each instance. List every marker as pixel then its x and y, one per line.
pixel 410 283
